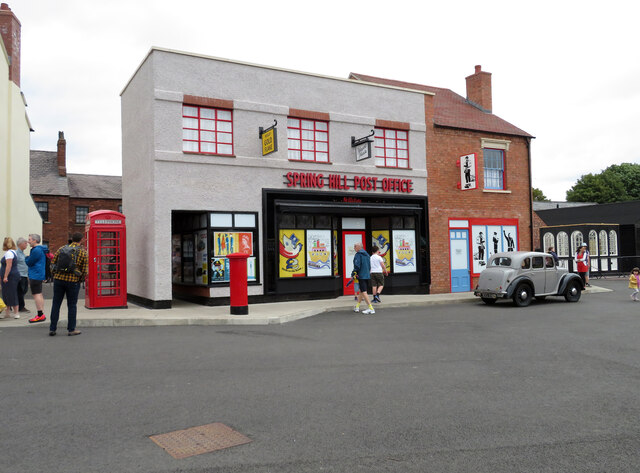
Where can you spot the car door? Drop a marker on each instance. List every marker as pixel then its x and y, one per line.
pixel 550 275
pixel 537 274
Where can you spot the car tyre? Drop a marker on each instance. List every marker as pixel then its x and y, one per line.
pixel 523 295
pixel 573 291
pixel 489 300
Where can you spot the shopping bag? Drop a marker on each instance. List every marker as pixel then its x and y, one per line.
pixel 3 306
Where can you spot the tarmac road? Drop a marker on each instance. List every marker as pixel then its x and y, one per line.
pixel 448 388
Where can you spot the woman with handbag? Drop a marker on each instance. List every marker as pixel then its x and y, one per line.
pixel 10 277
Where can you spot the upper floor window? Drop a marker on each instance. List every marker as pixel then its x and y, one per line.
pixel 43 208
pixel 308 140
pixel 392 148
pixel 207 130
pixel 81 214
pixel 493 168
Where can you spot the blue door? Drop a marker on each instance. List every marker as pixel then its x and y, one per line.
pixel 459 250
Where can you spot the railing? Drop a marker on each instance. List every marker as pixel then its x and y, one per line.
pixel 605 265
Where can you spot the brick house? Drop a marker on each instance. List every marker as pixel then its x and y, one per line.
pixel 64 200
pixel 494 212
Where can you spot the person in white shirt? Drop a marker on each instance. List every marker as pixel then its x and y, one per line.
pixel 378 271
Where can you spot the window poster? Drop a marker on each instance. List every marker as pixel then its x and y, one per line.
pixel 201 258
pixel 490 239
pixel 468 172
pixel 292 257
pixel 251 268
pixel 225 243
pixel 176 258
pixel 479 246
pixel 380 238
pixel 336 269
pixel 494 240
pixel 318 253
pixel 219 270
pixel 510 238
pixel 404 251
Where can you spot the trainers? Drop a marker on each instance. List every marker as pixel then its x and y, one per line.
pixel 16 316
pixel 52 333
pixel 38 318
pixel 75 332
pixel 356 309
pixel 369 311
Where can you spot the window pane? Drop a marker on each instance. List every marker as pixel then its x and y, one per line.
pixel 306 125
pixel 208 124
pixel 294 155
pixel 190 134
pixel 208 147
pixel 321 126
pixel 391 162
pixel 322 146
pixel 224 126
pixel 293 133
pixel 245 220
pixel 189 111
pixel 293 122
pixel 308 156
pixel 207 136
pixel 321 136
pixel 307 135
pixel 225 149
pixel 293 144
pixel 224 138
pixel 190 123
pixel 391 153
pixel 322 157
pixel 224 115
pixel 190 146
pixel 221 220
pixel 401 135
pixel 207 113
pixel 402 153
pixel 379 161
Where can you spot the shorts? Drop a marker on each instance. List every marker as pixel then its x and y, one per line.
pixel 377 279
pixel 36 286
pixel 364 285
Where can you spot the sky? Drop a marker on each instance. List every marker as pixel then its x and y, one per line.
pixel 567 72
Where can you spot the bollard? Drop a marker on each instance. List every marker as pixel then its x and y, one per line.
pixel 238 283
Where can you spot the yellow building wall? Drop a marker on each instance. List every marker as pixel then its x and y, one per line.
pixel 18 213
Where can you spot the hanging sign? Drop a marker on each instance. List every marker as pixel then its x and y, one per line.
pixel 269 138
pixel 362 146
pixel 467 164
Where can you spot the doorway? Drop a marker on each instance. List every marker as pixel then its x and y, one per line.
pixel 459 250
pixel 349 238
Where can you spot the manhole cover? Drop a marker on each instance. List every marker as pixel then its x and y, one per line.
pixel 198 440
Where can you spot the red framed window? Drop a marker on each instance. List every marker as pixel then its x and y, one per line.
pixel 392 148
pixel 207 130
pixel 308 140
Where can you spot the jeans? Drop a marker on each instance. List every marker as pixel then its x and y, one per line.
pixel 23 287
pixel 71 290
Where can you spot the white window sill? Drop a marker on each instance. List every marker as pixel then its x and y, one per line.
pixel 496 191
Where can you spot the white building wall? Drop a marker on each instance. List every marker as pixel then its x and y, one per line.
pixel 162 178
pixel 18 213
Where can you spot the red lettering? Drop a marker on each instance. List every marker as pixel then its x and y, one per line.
pixel 296 179
pixel 375 183
pixel 409 186
pixel 320 181
pixel 356 182
pixel 289 179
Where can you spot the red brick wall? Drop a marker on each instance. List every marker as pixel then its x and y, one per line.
pixel 537 223
pixel 444 148
pixel 62 216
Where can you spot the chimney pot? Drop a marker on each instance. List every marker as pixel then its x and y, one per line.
pixel 478 69
pixel 10 32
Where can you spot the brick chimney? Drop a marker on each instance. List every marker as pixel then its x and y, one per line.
pixel 62 154
pixel 479 89
pixel 10 31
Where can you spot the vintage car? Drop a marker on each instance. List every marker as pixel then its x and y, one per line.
pixel 523 275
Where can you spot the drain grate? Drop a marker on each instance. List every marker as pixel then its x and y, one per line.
pixel 198 440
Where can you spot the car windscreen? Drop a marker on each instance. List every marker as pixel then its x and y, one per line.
pixel 501 261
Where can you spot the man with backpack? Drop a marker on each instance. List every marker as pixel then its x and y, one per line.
pixel 69 270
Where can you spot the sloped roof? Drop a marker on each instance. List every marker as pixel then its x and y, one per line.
pixel 622 213
pixel 453 110
pixel 44 180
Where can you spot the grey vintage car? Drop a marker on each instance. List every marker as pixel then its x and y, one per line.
pixel 522 275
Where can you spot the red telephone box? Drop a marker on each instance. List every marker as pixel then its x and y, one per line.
pixel 106 283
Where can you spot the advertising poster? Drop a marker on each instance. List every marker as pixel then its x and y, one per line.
pixel 336 270
pixel 292 256
pixel 318 253
pixel 468 172
pixel 176 259
pixel 201 258
pixel 510 238
pixel 380 238
pixel 404 251
pixel 251 268
pixel 225 243
pixel 479 247
pixel 494 240
pixel 219 269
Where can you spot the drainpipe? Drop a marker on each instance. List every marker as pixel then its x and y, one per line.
pixel 530 192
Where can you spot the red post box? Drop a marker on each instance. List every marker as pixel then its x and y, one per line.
pixel 238 283
pixel 106 283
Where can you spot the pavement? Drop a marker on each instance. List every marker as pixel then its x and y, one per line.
pixel 186 313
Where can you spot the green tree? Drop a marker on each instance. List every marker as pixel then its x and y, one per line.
pixel 538 195
pixel 617 183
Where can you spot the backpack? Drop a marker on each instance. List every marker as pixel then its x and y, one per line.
pixel 66 262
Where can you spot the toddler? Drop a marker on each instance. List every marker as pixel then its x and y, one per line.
pixel 634 283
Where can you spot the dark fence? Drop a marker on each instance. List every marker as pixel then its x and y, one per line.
pixel 605 265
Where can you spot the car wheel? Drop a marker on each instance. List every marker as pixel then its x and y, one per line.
pixel 573 291
pixel 523 295
pixel 488 300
